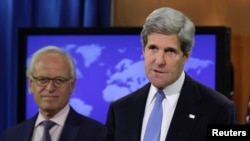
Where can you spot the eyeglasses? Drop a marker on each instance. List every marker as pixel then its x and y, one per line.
pixel 44 81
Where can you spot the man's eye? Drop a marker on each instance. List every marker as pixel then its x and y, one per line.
pixel 170 50
pixel 59 80
pixel 42 80
pixel 151 47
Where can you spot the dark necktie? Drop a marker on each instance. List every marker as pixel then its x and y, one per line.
pixel 153 129
pixel 47 124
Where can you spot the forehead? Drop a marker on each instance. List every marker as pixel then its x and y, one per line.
pixel 52 63
pixel 51 57
pixel 164 40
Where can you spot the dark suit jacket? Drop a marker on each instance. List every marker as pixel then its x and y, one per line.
pixel 125 116
pixel 76 128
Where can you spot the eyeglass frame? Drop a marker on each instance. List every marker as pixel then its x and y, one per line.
pixel 47 79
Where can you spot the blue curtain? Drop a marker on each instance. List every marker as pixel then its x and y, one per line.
pixel 38 13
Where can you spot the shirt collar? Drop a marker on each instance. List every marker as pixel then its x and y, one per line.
pixel 171 92
pixel 59 118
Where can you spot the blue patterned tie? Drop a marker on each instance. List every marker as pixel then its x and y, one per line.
pixel 47 124
pixel 153 129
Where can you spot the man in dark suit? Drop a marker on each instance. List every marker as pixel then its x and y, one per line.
pixel 187 106
pixel 52 78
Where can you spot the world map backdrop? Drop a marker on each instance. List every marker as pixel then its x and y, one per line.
pixel 112 66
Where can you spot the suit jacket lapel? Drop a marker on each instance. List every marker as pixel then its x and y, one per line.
pixel 186 113
pixel 136 109
pixel 70 128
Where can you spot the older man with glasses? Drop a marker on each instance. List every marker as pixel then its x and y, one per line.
pixel 52 78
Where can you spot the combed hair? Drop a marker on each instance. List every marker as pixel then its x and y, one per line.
pixel 167 21
pixel 48 50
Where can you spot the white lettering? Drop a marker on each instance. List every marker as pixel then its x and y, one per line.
pixel 216 132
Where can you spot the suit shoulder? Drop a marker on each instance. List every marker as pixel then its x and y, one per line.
pixel 92 122
pixel 23 124
pixel 209 95
pixel 82 119
pixel 213 95
pixel 19 130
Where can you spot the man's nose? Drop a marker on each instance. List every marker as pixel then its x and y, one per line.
pixel 160 59
pixel 51 86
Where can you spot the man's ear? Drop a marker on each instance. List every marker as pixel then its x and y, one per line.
pixel 72 85
pixel 187 56
pixel 30 83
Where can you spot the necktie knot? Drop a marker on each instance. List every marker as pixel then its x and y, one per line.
pixel 48 124
pixel 159 96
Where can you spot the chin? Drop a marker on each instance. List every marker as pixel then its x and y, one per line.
pixel 158 85
pixel 49 107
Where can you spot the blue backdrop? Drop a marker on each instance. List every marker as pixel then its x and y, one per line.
pixel 38 13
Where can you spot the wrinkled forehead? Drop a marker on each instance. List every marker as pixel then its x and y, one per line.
pixel 53 63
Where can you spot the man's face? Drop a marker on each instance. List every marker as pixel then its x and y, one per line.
pixel 51 97
pixel 164 60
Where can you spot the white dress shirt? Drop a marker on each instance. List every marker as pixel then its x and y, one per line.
pixel 56 130
pixel 172 94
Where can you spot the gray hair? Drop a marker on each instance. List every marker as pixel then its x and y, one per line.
pixel 51 49
pixel 166 20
